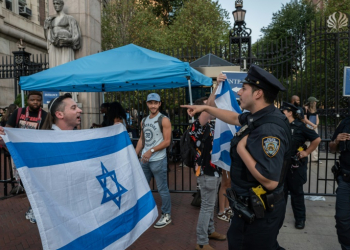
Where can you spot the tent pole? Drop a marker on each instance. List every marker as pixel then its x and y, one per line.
pixel 22 97
pixel 190 92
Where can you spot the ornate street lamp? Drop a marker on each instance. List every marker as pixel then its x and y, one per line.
pixel 240 39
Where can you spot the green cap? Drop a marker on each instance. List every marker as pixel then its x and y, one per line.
pixel 312 99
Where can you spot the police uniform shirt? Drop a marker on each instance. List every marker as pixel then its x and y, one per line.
pixel 267 143
pixel 343 127
pixel 301 112
pixel 301 133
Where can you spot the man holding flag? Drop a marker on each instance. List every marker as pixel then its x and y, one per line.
pixel 224 99
pixel 86 188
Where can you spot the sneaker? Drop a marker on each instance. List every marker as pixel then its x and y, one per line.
pixel 229 211
pixel 32 220
pixel 29 213
pixel 17 190
pixel 223 217
pixel 163 221
pixel 217 236
pixel 204 247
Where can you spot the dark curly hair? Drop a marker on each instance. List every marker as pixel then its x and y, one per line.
pixel 115 111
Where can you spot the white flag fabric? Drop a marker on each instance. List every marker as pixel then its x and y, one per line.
pixel 224 99
pixel 86 187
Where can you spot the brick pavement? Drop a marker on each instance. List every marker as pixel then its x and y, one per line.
pixel 18 233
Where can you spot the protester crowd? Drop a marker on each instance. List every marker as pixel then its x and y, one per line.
pixel 269 157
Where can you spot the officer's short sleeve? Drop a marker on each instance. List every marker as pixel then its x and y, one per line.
pixel 242 118
pixel 267 144
pixel 301 112
pixel 309 134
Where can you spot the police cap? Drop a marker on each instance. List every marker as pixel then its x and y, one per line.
pixel 263 79
pixel 289 107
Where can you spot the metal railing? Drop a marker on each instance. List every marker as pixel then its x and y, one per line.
pixel 6 174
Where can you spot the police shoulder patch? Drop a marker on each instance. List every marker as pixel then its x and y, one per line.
pixel 271 145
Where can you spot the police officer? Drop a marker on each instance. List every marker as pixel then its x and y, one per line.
pixel 296 175
pixel 341 142
pixel 258 153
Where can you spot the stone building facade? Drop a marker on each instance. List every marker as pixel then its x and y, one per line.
pixel 24 19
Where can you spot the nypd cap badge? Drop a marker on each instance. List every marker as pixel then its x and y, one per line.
pixel 271 145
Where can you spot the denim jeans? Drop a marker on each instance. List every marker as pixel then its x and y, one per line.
pixel 209 188
pixel 159 170
pixel 342 213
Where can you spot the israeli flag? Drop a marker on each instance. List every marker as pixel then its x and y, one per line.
pixel 86 187
pixel 224 99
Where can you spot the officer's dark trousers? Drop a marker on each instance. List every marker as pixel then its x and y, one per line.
pixel 294 185
pixel 261 234
pixel 342 214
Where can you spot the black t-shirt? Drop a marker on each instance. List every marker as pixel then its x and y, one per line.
pixel 343 127
pixel 301 134
pixel 33 119
pixel 203 159
pixel 105 122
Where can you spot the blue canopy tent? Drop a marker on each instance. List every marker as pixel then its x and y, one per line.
pixel 122 69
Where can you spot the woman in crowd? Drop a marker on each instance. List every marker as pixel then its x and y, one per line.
pixel 116 114
pixel 312 121
pixel 297 173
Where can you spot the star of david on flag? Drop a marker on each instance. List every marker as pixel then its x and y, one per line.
pixel 86 187
pixel 107 195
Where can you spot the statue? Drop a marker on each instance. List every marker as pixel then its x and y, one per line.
pixel 63 37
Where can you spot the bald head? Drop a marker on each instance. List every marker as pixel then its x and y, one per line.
pixel 295 100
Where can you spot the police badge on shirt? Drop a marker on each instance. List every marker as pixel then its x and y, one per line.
pixel 271 145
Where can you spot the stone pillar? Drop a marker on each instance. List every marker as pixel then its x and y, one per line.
pixel 88 15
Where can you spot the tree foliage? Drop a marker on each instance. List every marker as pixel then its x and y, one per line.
pixel 290 21
pixel 115 23
pixel 331 6
pixel 166 10
pixel 197 22
pixel 287 28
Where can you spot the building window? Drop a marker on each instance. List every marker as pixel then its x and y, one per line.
pixel 9 4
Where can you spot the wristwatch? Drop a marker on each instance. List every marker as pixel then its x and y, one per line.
pixel 152 150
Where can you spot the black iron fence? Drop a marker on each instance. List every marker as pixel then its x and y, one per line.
pixel 308 64
pixel 20 64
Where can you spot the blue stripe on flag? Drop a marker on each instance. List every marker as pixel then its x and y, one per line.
pixel 226 88
pixel 225 137
pixel 48 154
pixel 225 157
pixel 116 228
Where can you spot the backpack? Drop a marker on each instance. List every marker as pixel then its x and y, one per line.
pixel 188 147
pixel 160 118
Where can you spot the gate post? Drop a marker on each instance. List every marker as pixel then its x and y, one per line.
pixel 21 60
